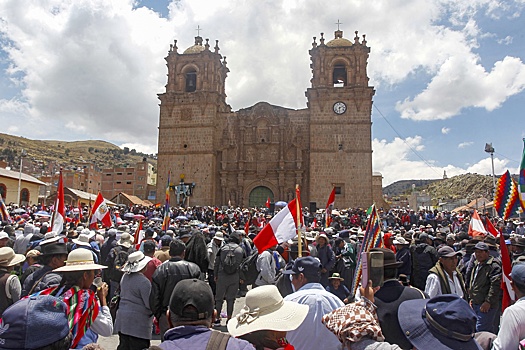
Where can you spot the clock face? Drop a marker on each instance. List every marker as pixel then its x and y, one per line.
pixel 339 107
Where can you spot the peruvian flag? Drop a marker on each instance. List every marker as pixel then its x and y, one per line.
pixel 247 226
pixel 267 204
pixel 281 228
pixel 489 227
pixel 314 223
pixel 100 213
pixel 508 292
pixel 59 215
pixel 139 235
pixel 476 227
pixel 118 218
pixel 329 207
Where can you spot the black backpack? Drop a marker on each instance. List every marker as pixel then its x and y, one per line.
pixel 248 268
pixel 229 262
pixel 121 257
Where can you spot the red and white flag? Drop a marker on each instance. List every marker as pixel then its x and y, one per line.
pixel 476 228
pixel 267 204
pixel 506 287
pixel 100 213
pixel 139 235
pixel 59 215
pixel 314 223
pixel 489 227
pixel 329 207
pixel 281 227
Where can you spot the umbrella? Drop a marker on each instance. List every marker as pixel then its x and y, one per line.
pixel 181 217
pixel 19 211
pixel 139 216
pixel 129 215
pixel 281 204
pixel 157 219
pixel 42 213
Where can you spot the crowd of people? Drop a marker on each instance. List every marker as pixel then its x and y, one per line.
pixel 440 287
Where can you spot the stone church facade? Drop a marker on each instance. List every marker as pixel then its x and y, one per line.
pixel 243 157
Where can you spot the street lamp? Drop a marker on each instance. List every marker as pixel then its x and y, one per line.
pixel 490 149
pixel 22 155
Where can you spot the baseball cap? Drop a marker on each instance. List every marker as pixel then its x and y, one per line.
pixel 195 293
pixel 447 252
pixel 518 274
pixel 481 246
pixel 33 322
pixel 309 266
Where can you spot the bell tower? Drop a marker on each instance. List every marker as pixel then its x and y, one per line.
pixel 340 105
pixel 189 109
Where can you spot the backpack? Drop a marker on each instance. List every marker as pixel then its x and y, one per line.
pixel 121 257
pixel 248 268
pixel 229 262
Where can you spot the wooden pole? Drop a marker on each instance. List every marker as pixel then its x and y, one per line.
pixel 298 213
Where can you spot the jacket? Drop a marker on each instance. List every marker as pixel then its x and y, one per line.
pixel 443 280
pixel 424 257
pixel 166 278
pixel 485 284
pixel 197 337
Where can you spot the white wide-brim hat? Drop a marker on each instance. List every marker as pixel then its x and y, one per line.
pixel 136 262
pixel 80 259
pixel 8 257
pixel 83 239
pixel 265 309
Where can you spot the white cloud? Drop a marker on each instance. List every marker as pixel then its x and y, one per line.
pixel 146 149
pixel 445 130
pixel 394 160
pixel 506 40
pixel 465 144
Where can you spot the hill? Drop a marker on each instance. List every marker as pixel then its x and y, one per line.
pixel 45 154
pixel 405 187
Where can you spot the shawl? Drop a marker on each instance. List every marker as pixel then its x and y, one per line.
pixel 82 309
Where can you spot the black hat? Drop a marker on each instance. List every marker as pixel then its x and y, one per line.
pixel 309 266
pixel 195 293
pixel 54 249
pixel 481 246
pixel 447 252
pixel 389 258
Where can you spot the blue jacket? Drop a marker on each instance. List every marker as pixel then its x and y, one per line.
pixel 196 338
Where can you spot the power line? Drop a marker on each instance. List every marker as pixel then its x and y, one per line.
pixel 404 141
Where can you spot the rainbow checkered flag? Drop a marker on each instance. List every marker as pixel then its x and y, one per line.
pixel 4 214
pixel 372 239
pixel 521 181
pixel 166 221
pixel 506 197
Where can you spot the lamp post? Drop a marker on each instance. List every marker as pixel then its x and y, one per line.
pixel 490 149
pixel 22 155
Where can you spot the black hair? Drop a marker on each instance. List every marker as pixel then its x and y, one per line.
pixel 389 273
pixel 177 247
pixel 62 344
pixel 261 339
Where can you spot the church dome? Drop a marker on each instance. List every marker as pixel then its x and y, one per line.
pixel 197 48
pixel 339 41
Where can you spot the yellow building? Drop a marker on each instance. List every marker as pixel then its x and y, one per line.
pixel 29 187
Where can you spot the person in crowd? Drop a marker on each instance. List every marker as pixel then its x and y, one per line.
pixel 4 239
pixel 134 317
pixel 424 257
pixel 197 251
pixel 22 240
pixel 88 313
pixel 306 277
pixel 149 248
pixel 444 277
pixel 518 250
pixel 512 327
pixel 191 315
pixel 53 256
pixel 484 290
pixel 226 272
pixel 164 280
pixel 213 248
pixel 443 322
pixel 36 322
pixel 266 266
pixel 326 255
pixel 266 317
pixel 163 254
pixel 388 298
pixel 337 288
pixel 31 265
pixel 10 288
pixel 403 256
pixel 117 257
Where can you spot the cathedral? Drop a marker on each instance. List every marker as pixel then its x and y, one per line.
pixel 241 158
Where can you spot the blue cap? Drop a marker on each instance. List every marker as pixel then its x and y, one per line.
pixel 518 274
pixel 33 323
pixel 309 266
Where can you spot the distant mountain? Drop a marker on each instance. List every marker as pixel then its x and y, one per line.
pixel 405 187
pixel 47 155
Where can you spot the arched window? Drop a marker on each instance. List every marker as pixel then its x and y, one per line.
pixel 339 75
pixel 24 196
pixel 3 191
pixel 191 80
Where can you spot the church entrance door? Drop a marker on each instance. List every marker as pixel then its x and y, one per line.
pixel 259 195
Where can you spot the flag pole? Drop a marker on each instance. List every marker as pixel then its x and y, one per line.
pixel 298 213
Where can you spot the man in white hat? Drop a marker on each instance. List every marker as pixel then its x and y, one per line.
pixel 116 259
pixel 10 287
pixel 213 248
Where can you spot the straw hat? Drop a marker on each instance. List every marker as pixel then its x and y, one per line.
pixel 9 258
pixel 83 239
pixel 80 259
pixel 336 276
pixel 136 262
pixel 265 309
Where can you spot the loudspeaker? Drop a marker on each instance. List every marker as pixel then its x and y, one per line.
pixel 313 207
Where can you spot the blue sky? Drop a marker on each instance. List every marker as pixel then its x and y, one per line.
pixel 449 75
